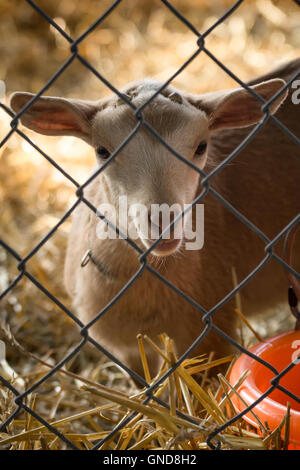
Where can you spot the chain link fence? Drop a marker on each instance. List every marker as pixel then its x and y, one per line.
pixel 207 316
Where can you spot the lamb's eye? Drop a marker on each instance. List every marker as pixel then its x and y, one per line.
pixel 103 152
pixel 201 148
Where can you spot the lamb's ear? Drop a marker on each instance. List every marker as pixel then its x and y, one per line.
pixel 56 116
pixel 238 108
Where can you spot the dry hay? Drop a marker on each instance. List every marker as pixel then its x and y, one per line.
pixel 76 405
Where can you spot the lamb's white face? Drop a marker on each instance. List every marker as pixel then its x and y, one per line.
pixel 145 171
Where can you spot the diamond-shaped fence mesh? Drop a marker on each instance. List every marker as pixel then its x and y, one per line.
pixel 206 179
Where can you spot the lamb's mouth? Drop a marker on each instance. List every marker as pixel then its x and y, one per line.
pixel 165 247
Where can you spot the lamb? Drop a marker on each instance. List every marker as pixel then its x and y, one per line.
pixel 262 183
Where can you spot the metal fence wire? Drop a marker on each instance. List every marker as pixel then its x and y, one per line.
pixel 207 316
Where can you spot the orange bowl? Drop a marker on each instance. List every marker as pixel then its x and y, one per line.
pixel 279 351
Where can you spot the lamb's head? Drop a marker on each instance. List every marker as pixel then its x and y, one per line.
pixel 145 170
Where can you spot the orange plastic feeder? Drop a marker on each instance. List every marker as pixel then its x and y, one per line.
pixel 279 351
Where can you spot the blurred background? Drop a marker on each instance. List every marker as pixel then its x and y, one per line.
pixel 138 39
